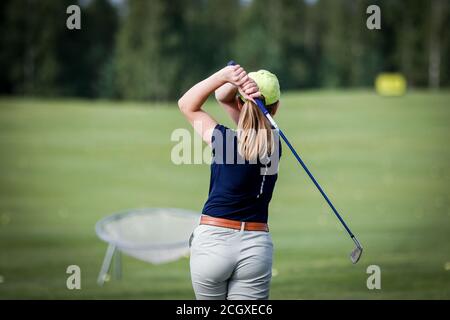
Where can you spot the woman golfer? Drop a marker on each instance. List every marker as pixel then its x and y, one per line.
pixel 231 249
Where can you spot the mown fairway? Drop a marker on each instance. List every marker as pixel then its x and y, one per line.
pixel 384 163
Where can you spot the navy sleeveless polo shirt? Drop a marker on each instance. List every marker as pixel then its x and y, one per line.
pixel 239 190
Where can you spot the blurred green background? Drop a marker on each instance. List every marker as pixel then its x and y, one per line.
pixel 153 50
pixel 86 118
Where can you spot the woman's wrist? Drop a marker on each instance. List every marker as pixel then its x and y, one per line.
pixel 226 93
pixel 220 76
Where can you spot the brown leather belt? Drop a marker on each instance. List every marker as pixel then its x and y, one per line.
pixel 234 224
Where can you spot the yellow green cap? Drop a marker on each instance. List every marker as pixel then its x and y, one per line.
pixel 268 85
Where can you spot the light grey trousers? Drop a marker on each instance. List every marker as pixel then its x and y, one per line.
pixel 230 264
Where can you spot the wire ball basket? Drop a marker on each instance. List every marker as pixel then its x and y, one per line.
pixel 154 235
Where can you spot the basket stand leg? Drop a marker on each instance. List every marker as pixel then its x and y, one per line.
pixel 106 264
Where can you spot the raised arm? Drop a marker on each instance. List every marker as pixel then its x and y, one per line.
pixel 192 101
pixel 226 96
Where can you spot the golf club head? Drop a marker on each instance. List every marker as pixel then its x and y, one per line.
pixel 355 255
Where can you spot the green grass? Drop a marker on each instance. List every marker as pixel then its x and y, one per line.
pixel 64 164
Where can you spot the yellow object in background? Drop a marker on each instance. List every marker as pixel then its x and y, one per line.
pixel 390 84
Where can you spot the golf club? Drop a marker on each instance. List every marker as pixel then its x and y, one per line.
pixel 356 253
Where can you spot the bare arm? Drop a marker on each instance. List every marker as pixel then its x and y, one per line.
pixel 192 101
pixel 226 96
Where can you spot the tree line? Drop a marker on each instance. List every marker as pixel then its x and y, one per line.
pixel 152 50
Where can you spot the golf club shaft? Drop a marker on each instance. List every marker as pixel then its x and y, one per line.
pixel 286 140
pixel 275 126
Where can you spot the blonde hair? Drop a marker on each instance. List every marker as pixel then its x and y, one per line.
pixel 254 135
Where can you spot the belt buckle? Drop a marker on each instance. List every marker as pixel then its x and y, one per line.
pixel 242 226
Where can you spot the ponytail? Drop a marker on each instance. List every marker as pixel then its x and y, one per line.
pixel 255 137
